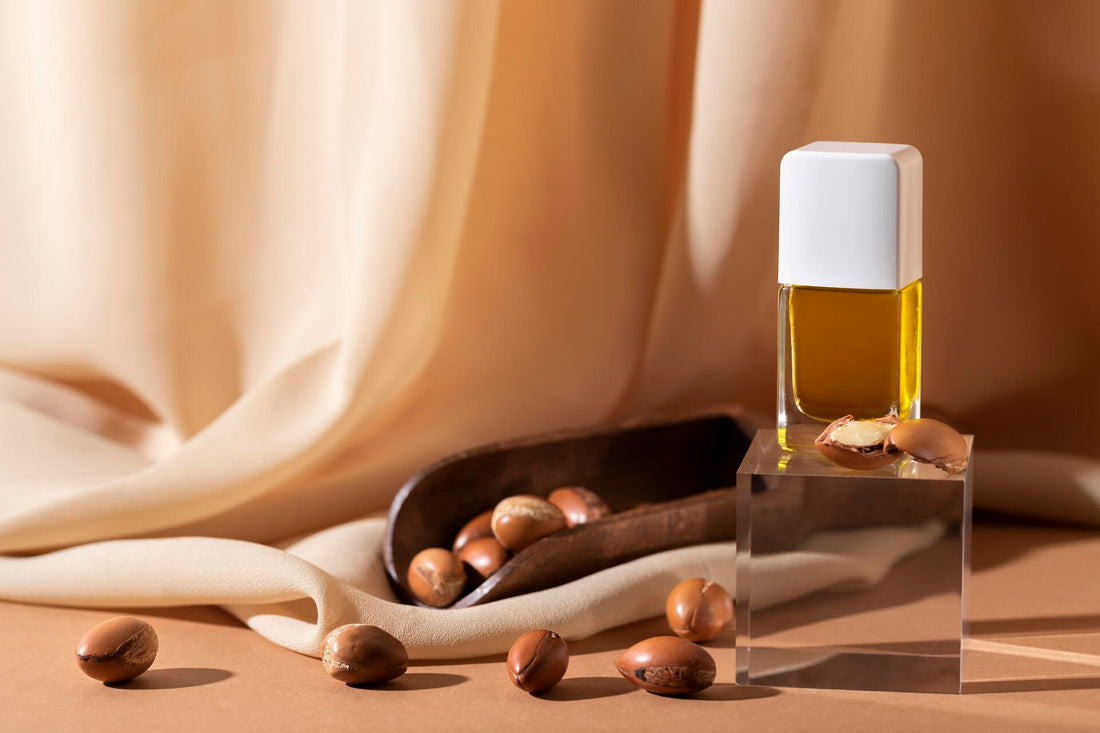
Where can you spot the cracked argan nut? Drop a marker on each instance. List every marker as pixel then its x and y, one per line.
pixel 858 444
pixel 436 577
pixel 485 555
pixel 537 661
pixel 360 654
pixel 478 527
pixel 698 610
pixel 521 520
pixel 117 650
pixel 667 665
pixel 931 441
pixel 579 505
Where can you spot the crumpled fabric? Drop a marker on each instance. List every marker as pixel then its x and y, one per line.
pixel 261 262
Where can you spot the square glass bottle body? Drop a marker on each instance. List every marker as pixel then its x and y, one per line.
pixel 846 352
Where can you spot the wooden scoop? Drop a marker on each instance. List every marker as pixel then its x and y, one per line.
pixel 682 472
pixel 669 482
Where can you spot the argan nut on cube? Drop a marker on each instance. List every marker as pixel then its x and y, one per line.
pixel 578 504
pixel 537 660
pixel 931 441
pixel 858 444
pixel 360 654
pixel 698 609
pixel 478 527
pixel 667 665
pixel 436 577
pixel 518 521
pixel 117 650
pixel 485 555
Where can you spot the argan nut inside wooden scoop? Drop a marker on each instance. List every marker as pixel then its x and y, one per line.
pixel 436 577
pixel 859 444
pixel 931 441
pixel 520 520
pixel 578 504
pixel 485 556
pixel 477 528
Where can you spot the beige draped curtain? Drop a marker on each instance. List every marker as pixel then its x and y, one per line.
pixel 261 261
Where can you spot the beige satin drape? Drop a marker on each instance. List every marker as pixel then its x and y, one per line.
pixel 260 261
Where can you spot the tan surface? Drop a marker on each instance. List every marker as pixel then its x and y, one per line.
pixel 1033 588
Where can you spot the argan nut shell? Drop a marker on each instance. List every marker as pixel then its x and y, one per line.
pixel 519 521
pixel 484 555
pixel 578 504
pixel 360 654
pixel 537 660
pixel 117 650
pixel 857 458
pixel 478 527
pixel 698 609
pixel 436 577
pixel 931 441
pixel 667 665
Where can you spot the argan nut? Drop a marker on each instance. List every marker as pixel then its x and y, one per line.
pixel 698 610
pixel 858 444
pixel 931 441
pixel 667 665
pixel 436 577
pixel 478 527
pixel 360 654
pixel 579 505
pixel 485 555
pixel 537 661
pixel 521 520
pixel 117 650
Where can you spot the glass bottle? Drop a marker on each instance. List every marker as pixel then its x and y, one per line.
pixel 849 286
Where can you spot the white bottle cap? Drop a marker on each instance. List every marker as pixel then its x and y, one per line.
pixel 850 216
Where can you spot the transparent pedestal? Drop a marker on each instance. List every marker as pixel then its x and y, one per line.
pixel 850 579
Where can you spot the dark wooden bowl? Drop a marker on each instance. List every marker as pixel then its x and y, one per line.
pixel 684 470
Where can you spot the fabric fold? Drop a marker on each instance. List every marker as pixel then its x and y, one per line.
pixel 262 262
pixel 295 596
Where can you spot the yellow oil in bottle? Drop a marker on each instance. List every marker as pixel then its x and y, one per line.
pixel 846 352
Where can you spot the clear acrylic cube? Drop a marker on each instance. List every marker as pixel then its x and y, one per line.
pixel 850 579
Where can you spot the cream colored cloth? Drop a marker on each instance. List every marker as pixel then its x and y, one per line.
pixel 295 597
pixel 261 261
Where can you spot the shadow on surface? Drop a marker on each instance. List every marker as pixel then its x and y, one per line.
pixel 728 691
pixel 199 614
pixel 1041 626
pixel 622 637
pixel 1050 683
pixel 417 681
pixel 586 688
pixel 1000 539
pixel 174 678
pixel 484 659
